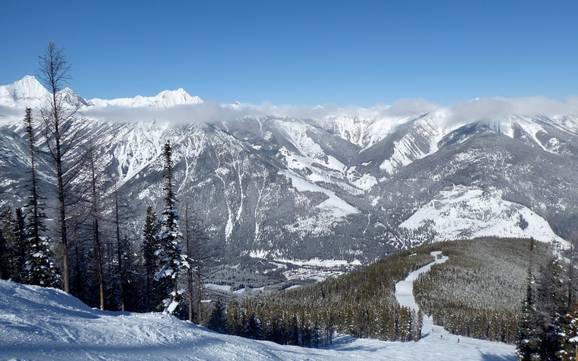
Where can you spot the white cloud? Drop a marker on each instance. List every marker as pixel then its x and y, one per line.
pixel 500 108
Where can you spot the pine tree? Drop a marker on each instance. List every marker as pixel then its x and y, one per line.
pixel 171 260
pixel 19 251
pixel 551 308
pixel 569 335
pixel 9 241
pixel 39 266
pixel 253 328
pixel 149 245
pixel 218 318
pixel 528 343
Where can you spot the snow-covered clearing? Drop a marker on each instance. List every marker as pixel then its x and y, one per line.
pixel 47 324
pixel 468 212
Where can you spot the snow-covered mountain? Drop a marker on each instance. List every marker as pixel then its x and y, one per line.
pixel 24 92
pixel 336 183
pixel 164 99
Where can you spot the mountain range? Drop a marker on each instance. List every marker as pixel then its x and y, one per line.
pixel 336 185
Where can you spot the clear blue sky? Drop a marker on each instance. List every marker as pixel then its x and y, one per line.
pixel 301 52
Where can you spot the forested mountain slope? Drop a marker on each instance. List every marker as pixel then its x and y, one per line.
pixel 478 293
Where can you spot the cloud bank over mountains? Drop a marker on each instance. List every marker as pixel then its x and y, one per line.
pixel 178 107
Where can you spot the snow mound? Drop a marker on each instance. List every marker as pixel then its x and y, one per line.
pixel 470 212
pixel 47 324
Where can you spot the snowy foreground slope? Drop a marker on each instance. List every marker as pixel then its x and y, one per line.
pixel 47 324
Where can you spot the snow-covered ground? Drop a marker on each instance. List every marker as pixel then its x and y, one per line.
pixel 47 324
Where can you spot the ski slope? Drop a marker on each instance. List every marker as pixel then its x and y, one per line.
pixel 47 324
pixel 404 289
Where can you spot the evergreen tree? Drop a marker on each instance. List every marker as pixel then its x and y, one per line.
pixel 252 327
pixel 528 343
pixel 149 246
pixel 8 241
pixel 218 318
pixel 569 335
pixel 170 258
pixel 19 250
pixel 39 266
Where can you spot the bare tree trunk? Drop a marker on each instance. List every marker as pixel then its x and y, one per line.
pixel 190 289
pixel 571 278
pixel 54 71
pixel 96 231
pixel 199 297
pixel 118 249
pixel 34 185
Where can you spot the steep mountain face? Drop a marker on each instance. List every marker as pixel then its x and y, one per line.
pixel 347 186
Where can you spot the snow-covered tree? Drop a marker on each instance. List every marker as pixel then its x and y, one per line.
pixel 569 335
pixel 169 249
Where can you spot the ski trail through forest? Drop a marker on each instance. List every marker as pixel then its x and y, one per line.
pixel 404 294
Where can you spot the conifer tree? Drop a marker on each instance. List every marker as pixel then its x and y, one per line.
pixel 39 266
pixel 569 335
pixel 218 318
pixel 551 306
pixel 19 250
pixel 528 343
pixel 9 240
pixel 253 328
pixel 149 245
pixel 171 260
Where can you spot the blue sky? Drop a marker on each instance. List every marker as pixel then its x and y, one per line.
pixel 302 52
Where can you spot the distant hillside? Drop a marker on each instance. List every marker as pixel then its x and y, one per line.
pixel 478 293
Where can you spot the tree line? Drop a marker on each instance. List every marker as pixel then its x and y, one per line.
pixel 89 250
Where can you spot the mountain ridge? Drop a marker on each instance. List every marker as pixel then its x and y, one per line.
pixel 336 186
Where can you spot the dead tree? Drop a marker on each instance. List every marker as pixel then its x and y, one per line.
pixel 61 138
pixel 96 214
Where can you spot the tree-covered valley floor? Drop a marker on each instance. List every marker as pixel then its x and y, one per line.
pixel 47 324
